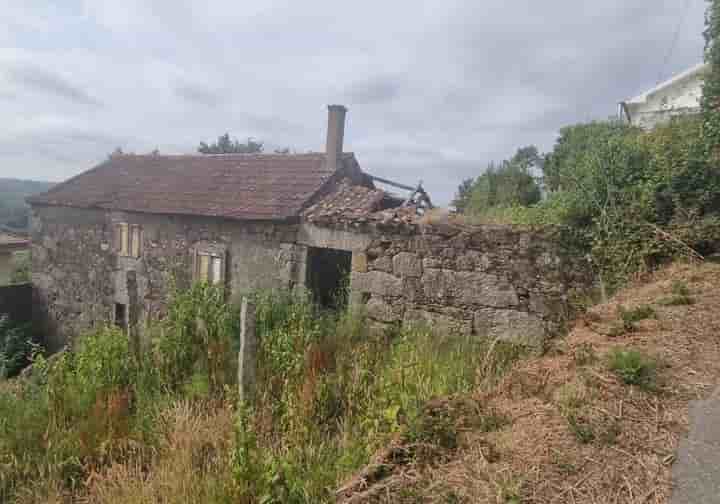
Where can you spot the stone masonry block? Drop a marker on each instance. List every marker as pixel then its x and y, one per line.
pixel 383 263
pixel 440 324
pixel 469 288
pixel 378 283
pixel 379 310
pixel 406 264
pixel 359 262
pixel 509 325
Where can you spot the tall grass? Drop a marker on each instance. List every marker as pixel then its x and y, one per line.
pixel 106 423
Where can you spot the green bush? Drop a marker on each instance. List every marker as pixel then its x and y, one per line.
pixel 16 346
pixel 199 332
pixel 679 296
pixel 633 368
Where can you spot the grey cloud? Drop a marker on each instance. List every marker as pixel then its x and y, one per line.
pixel 375 90
pixel 47 82
pixel 436 89
pixel 198 95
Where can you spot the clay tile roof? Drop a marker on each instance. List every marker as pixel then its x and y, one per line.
pixel 12 241
pixel 236 186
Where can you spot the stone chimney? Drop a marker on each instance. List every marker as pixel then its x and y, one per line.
pixel 335 135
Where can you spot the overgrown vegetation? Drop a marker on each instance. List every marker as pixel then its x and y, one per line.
pixel 633 199
pixel 109 413
pixel 504 185
pixel 16 346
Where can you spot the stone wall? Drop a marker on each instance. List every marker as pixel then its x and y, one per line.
pixel 79 276
pixel 495 281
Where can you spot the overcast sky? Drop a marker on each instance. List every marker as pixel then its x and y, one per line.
pixel 435 88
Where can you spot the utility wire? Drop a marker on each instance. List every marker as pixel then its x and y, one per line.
pixel 668 55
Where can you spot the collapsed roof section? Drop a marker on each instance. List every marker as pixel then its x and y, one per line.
pixel 354 206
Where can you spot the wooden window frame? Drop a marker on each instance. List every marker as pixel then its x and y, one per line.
pixel 128 240
pixel 209 263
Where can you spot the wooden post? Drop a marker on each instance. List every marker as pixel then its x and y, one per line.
pixel 247 358
pixel 132 317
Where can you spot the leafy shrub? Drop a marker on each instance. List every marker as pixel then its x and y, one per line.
pixel 581 428
pixel 199 331
pixel 680 295
pixel 16 346
pixel 637 314
pixel 633 368
pixel 630 198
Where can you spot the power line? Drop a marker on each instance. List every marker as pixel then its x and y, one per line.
pixel 676 36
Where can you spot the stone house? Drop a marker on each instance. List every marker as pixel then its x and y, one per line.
pixel 12 246
pixel 679 95
pixel 107 244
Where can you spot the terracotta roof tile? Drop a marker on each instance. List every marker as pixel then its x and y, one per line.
pixel 353 205
pixel 237 186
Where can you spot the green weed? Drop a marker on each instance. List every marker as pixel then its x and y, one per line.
pixel 637 314
pixel 633 368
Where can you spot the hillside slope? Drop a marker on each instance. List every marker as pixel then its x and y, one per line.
pixel 13 210
pixel 596 419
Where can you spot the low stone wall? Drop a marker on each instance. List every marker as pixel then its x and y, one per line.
pixel 496 281
pixel 16 302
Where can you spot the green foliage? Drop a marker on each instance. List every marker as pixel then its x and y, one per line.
pixel 628 318
pixel 225 145
pixel 462 196
pixel 711 89
pixel 581 429
pixel 199 330
pixel 633 368
pixel 16 347
pixel 511 183
pixel 76 413
pixel 679 296
pixel 632 199
pixel 680 288
pixel 330 394
pixel 637 314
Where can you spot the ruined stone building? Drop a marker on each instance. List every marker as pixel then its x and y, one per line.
pixel 107 244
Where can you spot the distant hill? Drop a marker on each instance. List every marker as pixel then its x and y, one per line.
pixel 13 210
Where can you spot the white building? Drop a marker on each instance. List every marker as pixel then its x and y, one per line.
pixel 677 96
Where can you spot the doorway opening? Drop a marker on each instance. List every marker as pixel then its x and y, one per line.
pixel 121 316
pixel 328 276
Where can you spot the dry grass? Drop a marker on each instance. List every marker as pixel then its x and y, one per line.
pixel 190 465
pixel 576 432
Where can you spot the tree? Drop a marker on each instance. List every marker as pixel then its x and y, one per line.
pixel 509 183
pixel 225 145
pixel 462 197
pixel 573 145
